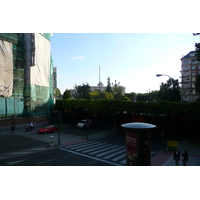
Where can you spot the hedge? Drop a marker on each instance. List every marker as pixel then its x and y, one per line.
pixel 111 107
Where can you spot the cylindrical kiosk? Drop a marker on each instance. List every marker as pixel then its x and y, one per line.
pixel 138 143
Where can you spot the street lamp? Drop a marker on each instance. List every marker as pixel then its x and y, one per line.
pixel 158 75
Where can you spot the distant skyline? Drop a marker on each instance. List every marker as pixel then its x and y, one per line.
pixel 133 59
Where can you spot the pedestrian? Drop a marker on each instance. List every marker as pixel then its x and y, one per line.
pixel 177 157
pixel 164 145
pixel 185 158
pixel 27 127
pixel 164 141
pixel 31 126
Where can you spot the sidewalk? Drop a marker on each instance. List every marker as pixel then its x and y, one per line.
pixel 192 146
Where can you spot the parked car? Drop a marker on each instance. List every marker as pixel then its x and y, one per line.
pixel 47 129
pixel 85 123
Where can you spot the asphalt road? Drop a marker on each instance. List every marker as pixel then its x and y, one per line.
pixel 34 152
pixel 52 157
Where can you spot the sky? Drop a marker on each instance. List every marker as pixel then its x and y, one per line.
pixel 132 59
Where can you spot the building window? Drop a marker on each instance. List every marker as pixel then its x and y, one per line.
pixel 193 73
pixel 185 74
pixel 193 79
pixel 193 61
pixel 193 67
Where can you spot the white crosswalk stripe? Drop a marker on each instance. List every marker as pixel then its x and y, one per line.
pixel 108 152
pixel 94 152
pixel 99 149
pixel 116 153
pixel 105 151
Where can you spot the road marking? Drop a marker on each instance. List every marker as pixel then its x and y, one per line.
pixel 119 157
pixel 15 162
pixel 96 148
pixel 45 161
pixel 107 152
pixel 118 152
pixel 81 144
pixel 123 161
pixel 112 163
pixel 82 147
pixel 95 152
pixel 92 162
pixel 68 155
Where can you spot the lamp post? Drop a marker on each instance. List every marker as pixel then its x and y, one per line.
pixel 158 75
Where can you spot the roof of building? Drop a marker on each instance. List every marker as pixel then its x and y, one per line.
pixel 188 55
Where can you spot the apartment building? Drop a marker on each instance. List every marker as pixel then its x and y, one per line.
pixel 190 68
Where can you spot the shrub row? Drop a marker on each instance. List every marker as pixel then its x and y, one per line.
pixel 111 107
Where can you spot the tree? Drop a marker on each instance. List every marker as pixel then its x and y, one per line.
pixel 94 94
pixel 82 91
pixel 153 95
pixel 197 84
pixel 66 94
pixel 117 91
pixel 108 88
pixel 57 93
pixel 107 95
pixel 142 97
pixel 169 91
pixel 197 48
pixel 132 96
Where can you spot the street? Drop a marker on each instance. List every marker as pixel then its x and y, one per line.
pixel 104 147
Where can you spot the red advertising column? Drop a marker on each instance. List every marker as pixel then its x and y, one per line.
pixel 131 148
pixel 138 143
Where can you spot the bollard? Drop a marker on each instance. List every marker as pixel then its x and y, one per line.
pixel 138 143
pixel 51 140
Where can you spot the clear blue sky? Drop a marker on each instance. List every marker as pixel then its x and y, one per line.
pixel 133 59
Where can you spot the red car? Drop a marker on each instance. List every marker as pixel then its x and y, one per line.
pixel 47 129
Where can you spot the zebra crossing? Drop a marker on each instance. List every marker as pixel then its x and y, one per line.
pixel 45 137
pixel 99 150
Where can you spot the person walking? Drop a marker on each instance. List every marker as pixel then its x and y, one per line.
pixel 185 158
pixel 27 127
pixel 31 126
pixel 177 157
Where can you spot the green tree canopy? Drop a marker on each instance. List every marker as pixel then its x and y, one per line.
pixel 197 48
pixel 132 96
pixel 94 94
pixel 66 94
pixel 107 95
pixel 83 91
pixel 117 91
pixel 108 88
pixel 197 84
pixel 57 93
pixel 169 91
